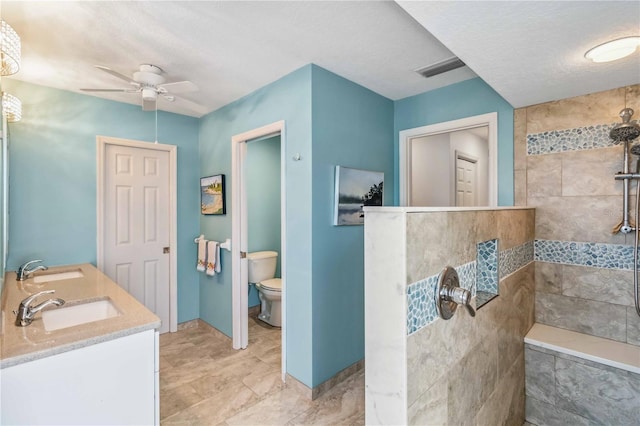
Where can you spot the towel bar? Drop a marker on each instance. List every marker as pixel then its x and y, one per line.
pixel 226 245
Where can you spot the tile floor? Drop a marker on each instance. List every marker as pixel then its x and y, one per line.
pixel 203 381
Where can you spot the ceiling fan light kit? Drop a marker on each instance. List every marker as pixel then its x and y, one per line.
pixel 613 50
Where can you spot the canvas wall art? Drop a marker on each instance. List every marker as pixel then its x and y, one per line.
pixel 212 196
pixel 355 189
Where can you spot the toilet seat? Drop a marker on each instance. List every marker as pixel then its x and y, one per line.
pixel 273 284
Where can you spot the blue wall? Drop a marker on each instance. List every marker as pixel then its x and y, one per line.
pixel 352 127
pixel 53 177
pixel 465 99
pixel 262 169
pixel 289 99
pixel 329 121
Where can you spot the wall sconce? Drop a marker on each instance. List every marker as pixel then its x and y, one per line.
pixel 11 107
pixel 9 49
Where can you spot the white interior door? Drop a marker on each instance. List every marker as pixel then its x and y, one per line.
pixel 466 182
pixel 137 225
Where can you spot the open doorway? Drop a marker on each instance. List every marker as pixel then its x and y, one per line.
pixel 271 134
pixel 450 164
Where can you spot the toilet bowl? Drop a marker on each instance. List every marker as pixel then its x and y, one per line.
pixel 262 270
pixel 270 293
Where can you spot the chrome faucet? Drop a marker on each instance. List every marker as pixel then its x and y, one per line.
pixel 25 313
pixel 23 271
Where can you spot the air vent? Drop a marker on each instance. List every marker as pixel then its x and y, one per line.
pixel 441 67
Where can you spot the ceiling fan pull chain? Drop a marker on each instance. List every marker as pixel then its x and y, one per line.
pixel 156 125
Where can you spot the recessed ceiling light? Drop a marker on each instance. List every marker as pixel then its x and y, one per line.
pixel 613 50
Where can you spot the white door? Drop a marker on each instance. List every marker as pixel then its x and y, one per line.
pixel 136 225
pixel 465 182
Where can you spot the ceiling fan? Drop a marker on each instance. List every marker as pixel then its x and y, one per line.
pixel 150 82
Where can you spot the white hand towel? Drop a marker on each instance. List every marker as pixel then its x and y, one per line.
pixel 218 264
pixel 202 254
pixel 213 257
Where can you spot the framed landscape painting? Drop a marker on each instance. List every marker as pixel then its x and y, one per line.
pixel 355 189
pixel 212 196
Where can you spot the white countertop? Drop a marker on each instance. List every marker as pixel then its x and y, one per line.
pixel 23 344
pixel 597 349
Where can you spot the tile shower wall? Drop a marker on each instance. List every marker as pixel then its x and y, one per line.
pixel 564 167
pixel 415 374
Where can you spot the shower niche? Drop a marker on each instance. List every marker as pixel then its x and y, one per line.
pixel 486 272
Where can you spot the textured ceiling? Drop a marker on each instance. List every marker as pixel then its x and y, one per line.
pixel 228 49
pixel 533 51
pixel 528 51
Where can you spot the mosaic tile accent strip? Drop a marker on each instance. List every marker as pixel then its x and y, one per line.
pixel 515 258
pixel 577 139
pixel 421 308
pixel 597 255
pixel 467 276
pixel 487 272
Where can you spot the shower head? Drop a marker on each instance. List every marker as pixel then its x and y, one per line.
pixel 625 131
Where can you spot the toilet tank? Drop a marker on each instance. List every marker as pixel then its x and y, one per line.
pixel 262 265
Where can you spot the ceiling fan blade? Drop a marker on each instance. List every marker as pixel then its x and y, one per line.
pixel 179 87
pixel 110 90
pixel 193 106
pixel 116 74
pixel 148 105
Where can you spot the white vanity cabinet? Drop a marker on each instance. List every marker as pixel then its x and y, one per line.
pixel 113 382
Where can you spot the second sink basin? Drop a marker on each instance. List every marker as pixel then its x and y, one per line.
pixel 55 319
pixel 57 276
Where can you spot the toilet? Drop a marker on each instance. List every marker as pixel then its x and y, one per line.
pixel 262 270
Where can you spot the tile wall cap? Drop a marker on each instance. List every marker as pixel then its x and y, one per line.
pixel 392 209
pixel 597 349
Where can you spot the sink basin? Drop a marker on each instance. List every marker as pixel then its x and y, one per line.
pixel 55 319
pixel 56 276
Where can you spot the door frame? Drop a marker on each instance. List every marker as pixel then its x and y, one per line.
pixel 239 284
pixel 101 147
pixel 404 157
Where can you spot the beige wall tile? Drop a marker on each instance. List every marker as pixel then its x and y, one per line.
pixel 633 326
pixel 520 187
pixel 431 407
pixel 486 229
pixel 587 110
pixel 427 251
pixel 513 227
pixel 520 139
pixel 578 218
pixel 632 99
pixel 462 232
pixel 544 175
pixel 603 285
pixel 549 277
pixel 506 405
pixel 592 172
pixel 467 392
pixel 584 316
pixel 437 348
